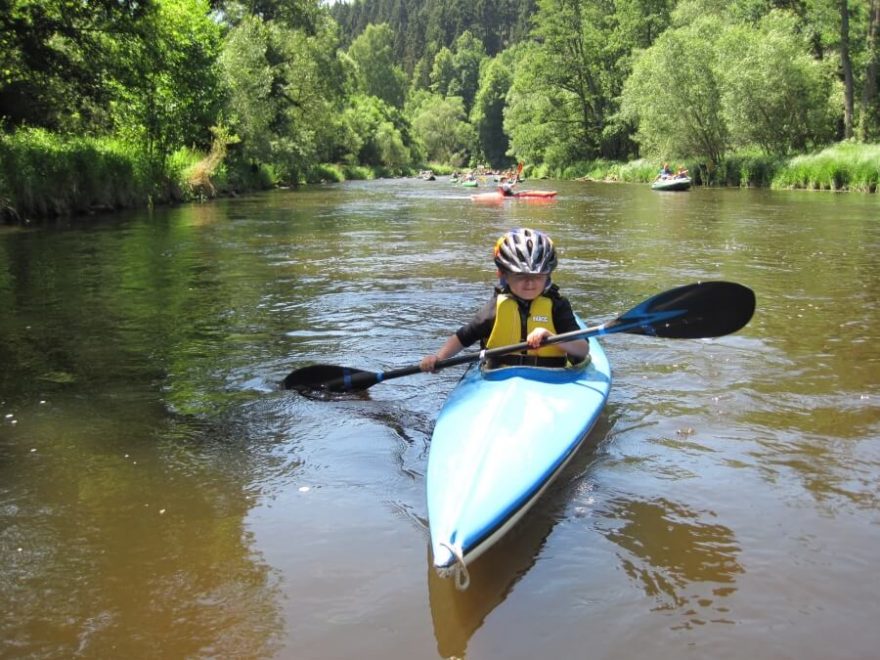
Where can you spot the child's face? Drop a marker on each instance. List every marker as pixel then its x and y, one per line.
pixel 526 287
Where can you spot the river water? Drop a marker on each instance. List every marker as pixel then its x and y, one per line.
pixel 160 496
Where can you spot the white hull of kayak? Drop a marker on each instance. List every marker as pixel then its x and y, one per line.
pixel 672 183
pixel 500 440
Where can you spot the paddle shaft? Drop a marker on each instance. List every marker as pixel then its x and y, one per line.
pixel 707 309
pixel 502 350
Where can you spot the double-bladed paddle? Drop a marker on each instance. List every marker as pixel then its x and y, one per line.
pixel 704 309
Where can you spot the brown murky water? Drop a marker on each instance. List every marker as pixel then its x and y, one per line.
pixel 160 497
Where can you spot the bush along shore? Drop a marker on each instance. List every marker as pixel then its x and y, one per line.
pixel 842 167
pixel 44 176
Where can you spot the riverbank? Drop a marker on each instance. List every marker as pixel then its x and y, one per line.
pixel 843 167
pixel 43 176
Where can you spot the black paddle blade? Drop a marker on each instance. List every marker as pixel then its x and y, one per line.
pixel 330 378
pixel 705 309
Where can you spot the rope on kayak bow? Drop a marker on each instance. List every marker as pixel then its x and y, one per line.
pixel 459 571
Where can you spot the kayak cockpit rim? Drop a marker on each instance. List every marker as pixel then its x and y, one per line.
pixel 544 374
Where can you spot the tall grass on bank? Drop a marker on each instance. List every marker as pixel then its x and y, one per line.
pixel 335 173
pixel 845 166
pixel 43 175
pixel 747 169
pixel 634 171
pixel 741 170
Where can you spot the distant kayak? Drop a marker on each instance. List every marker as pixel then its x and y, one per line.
pixel 497 196
pixel 672 183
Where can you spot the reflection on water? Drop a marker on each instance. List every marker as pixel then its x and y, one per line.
pixel 457 614
pixel 182 578
pixel 161 497
pixel 668 551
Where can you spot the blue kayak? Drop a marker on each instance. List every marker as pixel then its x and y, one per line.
pixel 501 438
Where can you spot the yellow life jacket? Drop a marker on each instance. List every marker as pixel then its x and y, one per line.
pixel 508 325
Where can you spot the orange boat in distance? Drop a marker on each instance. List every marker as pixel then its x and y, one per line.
pixel 523 195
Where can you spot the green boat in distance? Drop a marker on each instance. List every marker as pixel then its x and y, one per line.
pixel 672 183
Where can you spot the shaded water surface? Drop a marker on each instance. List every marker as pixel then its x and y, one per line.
pixel 161 497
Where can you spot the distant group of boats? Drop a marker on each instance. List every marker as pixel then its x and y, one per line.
pixel 474 180
pixel 664 182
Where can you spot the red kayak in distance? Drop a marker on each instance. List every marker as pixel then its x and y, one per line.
pixel 525 195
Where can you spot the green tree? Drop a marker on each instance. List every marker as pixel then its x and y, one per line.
pixel 467 60
pixel 532 119
pixel 487 114
pixel 443 72
pixel 565 90
pixel 638 23
pixel 167 93
pixel 441 125
pixel 774 94
pixel 305 15
pixel 673 95
pixel 284 92
pixel 869 115
pixel 421 75
pixel 56 57
pixel 846 32
pixel 378 74
pixel 254 110
pixel 378 133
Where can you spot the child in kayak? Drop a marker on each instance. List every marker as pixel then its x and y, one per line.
pixel 526 307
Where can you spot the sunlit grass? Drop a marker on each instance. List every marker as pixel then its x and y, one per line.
pixel 326 172
pixel 635 171
pixel 43 175
pixel 641 170
pixel 441 169
pixel 749 168
pixel 844 166
pixel 358 172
